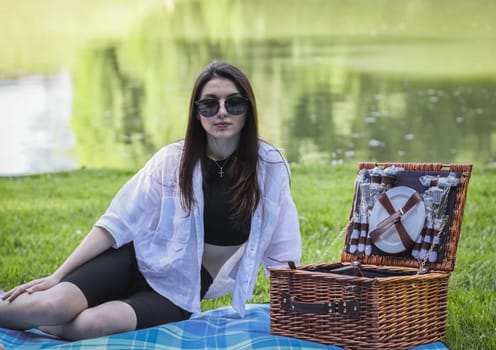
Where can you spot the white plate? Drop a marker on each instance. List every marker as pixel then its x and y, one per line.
pixel 413 220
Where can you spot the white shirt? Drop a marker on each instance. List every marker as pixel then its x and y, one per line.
pixel 169 242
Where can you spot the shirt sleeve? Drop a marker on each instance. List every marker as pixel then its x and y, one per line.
pixel 285 243
pixel 135 210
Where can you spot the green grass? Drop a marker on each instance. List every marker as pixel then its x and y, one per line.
pixel 44 217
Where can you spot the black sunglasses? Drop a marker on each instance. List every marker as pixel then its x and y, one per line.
pixel 209 107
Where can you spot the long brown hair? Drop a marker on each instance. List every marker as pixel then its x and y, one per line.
pixel 244 188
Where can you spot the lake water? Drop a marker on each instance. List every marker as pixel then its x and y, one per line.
pixel 335 81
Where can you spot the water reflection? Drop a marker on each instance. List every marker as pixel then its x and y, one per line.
pixel 317 113
pixel 424 120
pixel 35 135
pixel 108 113
pixel 312 133
pixel 381 83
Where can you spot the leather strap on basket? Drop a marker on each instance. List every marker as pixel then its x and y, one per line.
pixel 394 218
pixel 350 308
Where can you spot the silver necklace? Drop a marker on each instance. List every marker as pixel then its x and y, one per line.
pixel 221 167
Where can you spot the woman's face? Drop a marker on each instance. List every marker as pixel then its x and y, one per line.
pixel 222 125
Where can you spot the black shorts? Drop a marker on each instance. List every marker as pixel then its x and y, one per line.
pixel 114 275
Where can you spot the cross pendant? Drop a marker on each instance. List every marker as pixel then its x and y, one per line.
pixel 221 173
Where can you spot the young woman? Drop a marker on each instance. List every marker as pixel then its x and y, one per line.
pixel 195 222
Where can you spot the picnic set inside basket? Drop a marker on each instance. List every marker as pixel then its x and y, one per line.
pixel 390 289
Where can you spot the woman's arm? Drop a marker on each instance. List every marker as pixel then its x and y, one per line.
pixel 97 241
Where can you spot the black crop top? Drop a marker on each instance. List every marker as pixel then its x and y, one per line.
pixel 219 229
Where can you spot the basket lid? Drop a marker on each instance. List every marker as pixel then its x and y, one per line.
pixel 407 214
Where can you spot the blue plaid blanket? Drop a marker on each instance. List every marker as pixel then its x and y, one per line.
pixel 214 329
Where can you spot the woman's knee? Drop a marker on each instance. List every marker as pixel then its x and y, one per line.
pixel 56 305
pixel 63 302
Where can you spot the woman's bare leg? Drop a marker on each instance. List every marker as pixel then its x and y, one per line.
pixel 57 305
pixel 105 319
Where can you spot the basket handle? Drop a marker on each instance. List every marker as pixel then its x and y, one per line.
pixel 349 308
pixel 290 263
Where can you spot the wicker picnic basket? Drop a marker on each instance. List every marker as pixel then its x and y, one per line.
pixel 373 299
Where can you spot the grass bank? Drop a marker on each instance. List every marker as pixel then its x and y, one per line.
pixel 44 217
pixel 46 36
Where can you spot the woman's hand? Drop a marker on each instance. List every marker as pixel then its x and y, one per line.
pixel 36 285
pixel 96 242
